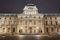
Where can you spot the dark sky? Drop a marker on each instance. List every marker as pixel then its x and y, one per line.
pixel 16 6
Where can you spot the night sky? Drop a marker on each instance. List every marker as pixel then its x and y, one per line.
pixel 16 6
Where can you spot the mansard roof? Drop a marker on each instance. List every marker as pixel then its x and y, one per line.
pixel 8 14
pixel 51 14
pixel 21 14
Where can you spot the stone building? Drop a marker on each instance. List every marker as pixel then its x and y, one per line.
pixel 30 21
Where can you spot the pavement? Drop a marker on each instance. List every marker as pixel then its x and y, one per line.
pixel 29 37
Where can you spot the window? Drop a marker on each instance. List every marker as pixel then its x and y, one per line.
pixel 20 30
pixel 39 17
pixel 58 18
pixel 21 17
pixel 25 26
pixel 30 29
pixel 45 22
pixel 57 29
pixel 37 27
pixel 48 22
pixel 56 22
pixel 10 18
pixel 55 17
pixel 52 29
pixel 50 17
pixel 21 27
pixel 20 20
pixel 6 22
pixel 46 29
pixel 13 30
pixel 25 30
pixel 34 22
pixel 0 18
pixel 12 22
pixel 51 22
pixel 8 29
pixel 5 18
pixel 3 29
pixel 34 31
pixel 45 17
pixel 34 17
pixel 26 22
pixel 30 21
pixel 39 21
pixel 15 22
pixel 26 17
pixel 40 31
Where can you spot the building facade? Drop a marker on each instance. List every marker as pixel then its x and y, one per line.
pixel 30 21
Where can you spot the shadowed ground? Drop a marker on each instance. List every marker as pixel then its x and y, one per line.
pixel 29 38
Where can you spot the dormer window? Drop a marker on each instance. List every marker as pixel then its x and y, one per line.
pixel 30 8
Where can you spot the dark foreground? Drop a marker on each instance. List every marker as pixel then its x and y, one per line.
pixel 29 38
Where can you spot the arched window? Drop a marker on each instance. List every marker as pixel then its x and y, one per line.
pixel 30 29
pixel 20 30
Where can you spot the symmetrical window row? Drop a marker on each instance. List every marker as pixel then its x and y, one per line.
pixel 51 23
pixel 30 31
pixel 52 29
pixel 7 29
pixel 28 22
pixel 6 22
pixel 53 18
pixel 30 16
pixel 6 18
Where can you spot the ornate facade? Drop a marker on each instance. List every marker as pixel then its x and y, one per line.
pixel 30 21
